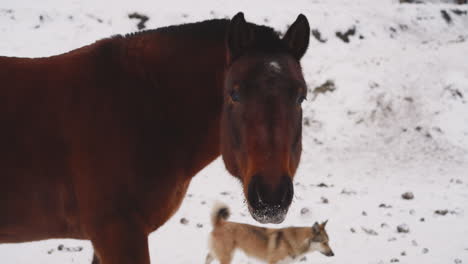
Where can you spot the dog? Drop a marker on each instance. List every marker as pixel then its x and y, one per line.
pixel 269 244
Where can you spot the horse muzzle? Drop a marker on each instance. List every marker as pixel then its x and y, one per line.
pixel 267 203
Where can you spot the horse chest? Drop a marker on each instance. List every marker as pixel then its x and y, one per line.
pixel 165 202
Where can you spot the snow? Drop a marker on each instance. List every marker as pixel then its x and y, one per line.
pixel 396 122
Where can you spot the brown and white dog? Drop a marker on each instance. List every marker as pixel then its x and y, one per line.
pixel 269 244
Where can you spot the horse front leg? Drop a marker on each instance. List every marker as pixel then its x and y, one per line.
pixel 120 242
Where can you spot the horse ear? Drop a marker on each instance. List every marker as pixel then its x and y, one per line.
pixel 239 36
pixel 297 37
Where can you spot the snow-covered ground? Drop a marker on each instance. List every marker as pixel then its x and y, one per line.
pixel 397 121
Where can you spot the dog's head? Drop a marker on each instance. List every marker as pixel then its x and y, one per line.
pixel 319 239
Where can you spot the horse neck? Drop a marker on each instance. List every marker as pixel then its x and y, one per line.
pixel 183 81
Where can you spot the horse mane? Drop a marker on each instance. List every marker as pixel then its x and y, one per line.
pixel 267 40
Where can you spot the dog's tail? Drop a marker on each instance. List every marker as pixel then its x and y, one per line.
pixel 220 213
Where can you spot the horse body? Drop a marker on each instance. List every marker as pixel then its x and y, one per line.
pixel 101 143
pixel 36 195
pixel 83 132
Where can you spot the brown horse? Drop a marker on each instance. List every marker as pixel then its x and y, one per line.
pixel 101 143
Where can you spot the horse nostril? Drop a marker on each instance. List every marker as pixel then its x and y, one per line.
pixel 262 196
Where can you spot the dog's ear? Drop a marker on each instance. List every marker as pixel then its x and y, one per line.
pixel 324 223
pixel 316 228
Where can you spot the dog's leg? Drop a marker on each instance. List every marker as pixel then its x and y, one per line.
pixel 209 258
pixel 120 242
pixel 273 245
pixel 226 260
pixel 226 257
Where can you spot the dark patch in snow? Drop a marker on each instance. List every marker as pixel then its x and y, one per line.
pixel 446 16
pixel 328 86
pixel 224 193
pixel 324 200
pixel 438 129
pixel 425 250
pixel 143 18
pixel 409 99
pixel 386 206
pixel 403 228
pixel 425 18
pixel 393 260
pixel 454 92
pixel 348 192
pixel 322 185
pixel 6 11
pixel 403 253
pixel 457 261
pixel 99 20
pixel 345 36
pixel 318 36
pixel 352 230
pixel 364 213
pixel 304 258
pixel 199 225
pixel 444 212
pixel 63 248
pixel 393 32
pixel 369 231
pixel 408 195
pixel 374 85
pixel 184 221
pixel 441 212
pixel 318 142
pixel 411 2
pixel 403 27
pixel 459 12
pixel 305 211
pixel 457 181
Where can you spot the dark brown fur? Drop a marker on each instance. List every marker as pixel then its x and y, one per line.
pixel 101 142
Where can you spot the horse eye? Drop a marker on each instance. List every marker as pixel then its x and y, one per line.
pixel 235 96
pixel 301 99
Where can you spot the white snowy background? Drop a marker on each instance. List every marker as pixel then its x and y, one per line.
pixel 396 122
